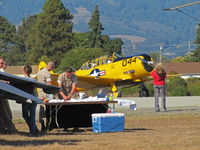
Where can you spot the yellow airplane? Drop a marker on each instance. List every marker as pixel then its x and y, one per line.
pixel 113 72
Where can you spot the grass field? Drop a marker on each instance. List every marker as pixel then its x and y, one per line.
pixel 177 129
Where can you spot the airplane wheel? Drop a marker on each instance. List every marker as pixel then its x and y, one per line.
pixel 144 93
pixel 119 93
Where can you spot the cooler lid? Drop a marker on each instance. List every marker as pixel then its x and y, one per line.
pixel 108 115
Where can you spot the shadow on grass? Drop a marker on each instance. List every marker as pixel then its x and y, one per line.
pixel 37 142
pixel 89 131
pixel 180 110
pixel 70 132
pixel 136 129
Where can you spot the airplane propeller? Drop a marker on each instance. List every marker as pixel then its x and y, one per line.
pixel 148 64
pixel 145 61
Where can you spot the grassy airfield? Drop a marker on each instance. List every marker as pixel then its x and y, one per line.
pixel 144 130
pixel 179 128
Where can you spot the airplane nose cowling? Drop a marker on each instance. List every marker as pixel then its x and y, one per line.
pixel 147 63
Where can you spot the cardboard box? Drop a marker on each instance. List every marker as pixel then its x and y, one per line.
pixel 106 122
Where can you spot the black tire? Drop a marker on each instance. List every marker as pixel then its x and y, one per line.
pixel 144 93
pixel 119 93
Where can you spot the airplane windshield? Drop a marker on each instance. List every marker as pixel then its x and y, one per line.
pixel 116 55
pixel 100 61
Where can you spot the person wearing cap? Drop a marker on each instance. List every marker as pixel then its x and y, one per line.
pixel 44 76
pixel 67 81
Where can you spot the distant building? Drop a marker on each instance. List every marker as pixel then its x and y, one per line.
pixel 188 70
pixel 18 70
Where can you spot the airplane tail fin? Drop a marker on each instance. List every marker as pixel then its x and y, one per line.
pixel 42 65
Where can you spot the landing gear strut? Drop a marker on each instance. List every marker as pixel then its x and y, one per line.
pixel 144 92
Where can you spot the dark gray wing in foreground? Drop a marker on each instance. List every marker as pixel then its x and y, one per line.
pixel 25 83
pixel 19 88
pixel 7 91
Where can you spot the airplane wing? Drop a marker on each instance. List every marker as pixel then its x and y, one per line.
pixel 19 87
pixel 173 75
pixel 7 91
pixel 149 78
pixel 90 82
pixel 26 83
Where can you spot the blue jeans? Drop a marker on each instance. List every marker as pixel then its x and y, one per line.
pixel 28 112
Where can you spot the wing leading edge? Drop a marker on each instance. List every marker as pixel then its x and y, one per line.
pixel 9 92
pixel 19 87
pixel 21 82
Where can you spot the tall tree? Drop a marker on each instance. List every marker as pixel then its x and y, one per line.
pixel 52 33
pixel 17 56
pixel 196 52
pixel 95 28
pixel 112 45
pixel 7 34
pixel 80 40
pixel 24 30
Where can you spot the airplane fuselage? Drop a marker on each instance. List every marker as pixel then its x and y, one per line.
pixel 122 71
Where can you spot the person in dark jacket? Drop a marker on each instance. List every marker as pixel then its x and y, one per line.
pixel 29 109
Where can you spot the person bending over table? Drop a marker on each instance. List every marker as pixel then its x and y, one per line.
pixel 67 81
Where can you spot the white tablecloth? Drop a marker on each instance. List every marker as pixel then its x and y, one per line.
pixel 122 103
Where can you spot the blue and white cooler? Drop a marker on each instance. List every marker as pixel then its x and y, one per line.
pixel 106 122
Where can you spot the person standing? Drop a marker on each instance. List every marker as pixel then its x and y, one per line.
pixel 2 65
pixel 6 124
pixel 44 76
pixel 159 76
pixel 2 122
pixel 29 109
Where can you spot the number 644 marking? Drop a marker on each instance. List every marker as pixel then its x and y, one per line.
pixel 128 61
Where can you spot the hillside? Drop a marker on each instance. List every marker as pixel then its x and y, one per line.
pixel 143 22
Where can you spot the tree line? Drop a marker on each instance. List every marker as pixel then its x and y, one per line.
pixel 131 17
pixel 49 36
